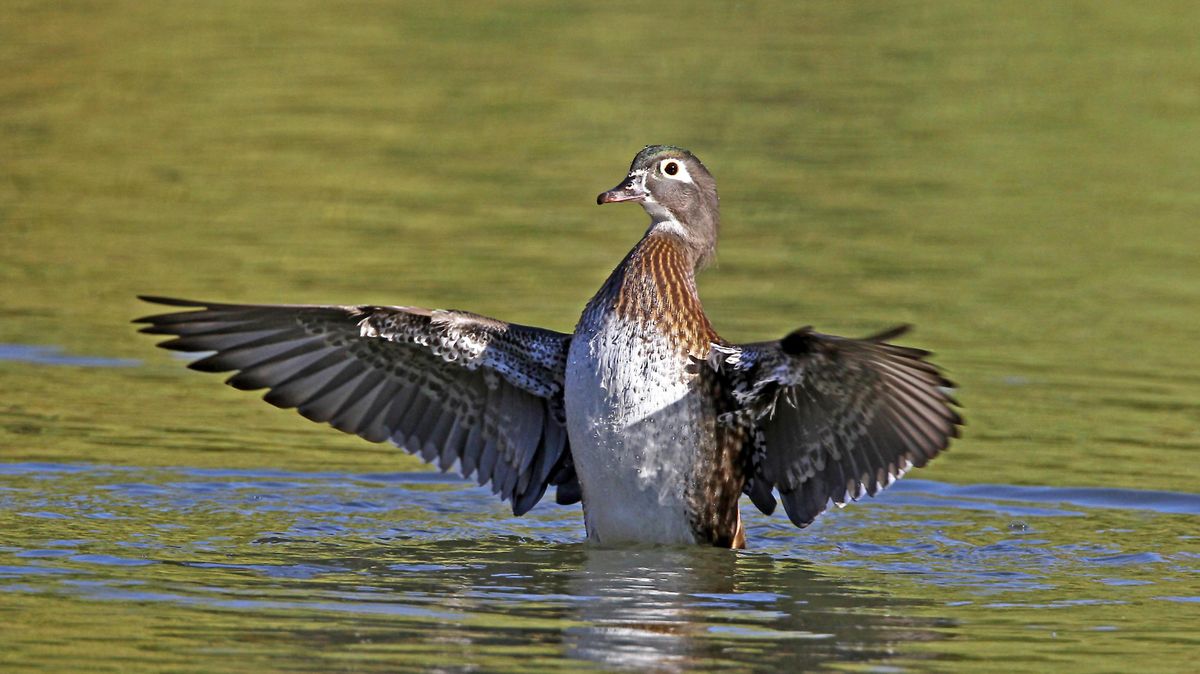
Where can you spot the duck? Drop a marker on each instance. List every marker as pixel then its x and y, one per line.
pixel 643 414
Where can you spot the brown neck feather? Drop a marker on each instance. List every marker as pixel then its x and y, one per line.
pixel 656 285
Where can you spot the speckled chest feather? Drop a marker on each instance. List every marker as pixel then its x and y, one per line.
pixel 652 461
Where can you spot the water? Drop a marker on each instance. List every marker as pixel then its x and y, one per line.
pixel 236 570
pixel 1018 180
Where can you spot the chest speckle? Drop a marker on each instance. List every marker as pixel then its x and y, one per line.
pixel 634 418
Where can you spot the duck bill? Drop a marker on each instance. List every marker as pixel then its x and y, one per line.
pixel 630 189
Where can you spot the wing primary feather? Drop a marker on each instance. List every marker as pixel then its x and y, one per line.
pixel 245 355
pixel 351 372
pixel 297 390
pixel 760 494
pixel 413 415
pixel 909 437
pixel 472 448
pixel 229 338
pixel 487 461
pixel 373 424
pixel 921 404
pixel 330 358
pixel 324 404
pixel 452 447
pixel 507 489
pixel 924 445
pixel 450 386
pixel 439 436
pixel 874 457
pixel 351 417
pixel 553 442
pixel 926 396
pixel 889 334
pixel 274 369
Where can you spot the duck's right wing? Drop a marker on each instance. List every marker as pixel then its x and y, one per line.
pixel 451 386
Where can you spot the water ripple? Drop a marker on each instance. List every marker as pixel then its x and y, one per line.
pixel 439 555
pixel 1088 497
pixel 39 354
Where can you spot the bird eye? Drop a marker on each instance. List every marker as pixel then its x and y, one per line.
pixel 670 168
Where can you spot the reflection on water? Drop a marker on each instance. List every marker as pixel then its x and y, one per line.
pixel 289 568
pixel 681 610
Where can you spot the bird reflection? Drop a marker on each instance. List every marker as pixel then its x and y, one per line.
pixel 662 609
pixel 642 608
pixel 671 609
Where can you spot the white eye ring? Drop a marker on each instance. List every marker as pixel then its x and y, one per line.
pixel 674 169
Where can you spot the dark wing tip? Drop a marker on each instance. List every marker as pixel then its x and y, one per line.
pixel 889 334
pixel 805 340
pixel 760 494
pixel 799 342
pixel 806 503
pixel 170 302
pixel 213 363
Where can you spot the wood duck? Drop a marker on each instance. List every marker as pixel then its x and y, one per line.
pixel 644 413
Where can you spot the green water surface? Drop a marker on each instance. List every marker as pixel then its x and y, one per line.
pixel 1019 180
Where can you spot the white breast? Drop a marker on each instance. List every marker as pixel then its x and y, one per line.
pixel 633 418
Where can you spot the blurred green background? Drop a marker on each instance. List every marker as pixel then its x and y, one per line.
pixel 1019 180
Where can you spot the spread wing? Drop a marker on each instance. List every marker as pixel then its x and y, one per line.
pixel 451 386
pixel 834 418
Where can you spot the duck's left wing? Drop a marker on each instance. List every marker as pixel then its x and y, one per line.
pixel 833 418
pixel 451 386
